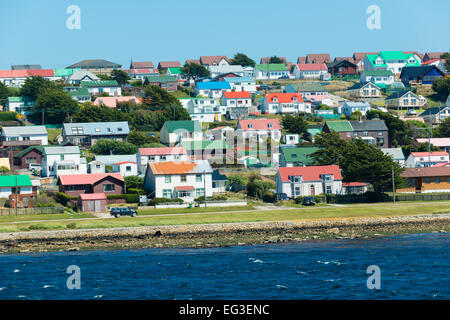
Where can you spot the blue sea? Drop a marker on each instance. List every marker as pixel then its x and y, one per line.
pixel 411 267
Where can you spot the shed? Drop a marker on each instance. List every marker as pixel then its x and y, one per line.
pixel 92 202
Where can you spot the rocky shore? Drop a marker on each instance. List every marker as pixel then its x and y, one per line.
pixel 217 235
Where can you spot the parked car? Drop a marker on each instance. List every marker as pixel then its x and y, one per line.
pixel 34 167
pixel 309 201
pixel 411 112
pixel 283 197
pixel 118 212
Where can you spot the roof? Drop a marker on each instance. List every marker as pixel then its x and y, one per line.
pixel 369 125
pixel 111 102
pixel 25 130
pixel 169 64
pixel 360 85
pixel 217 176
pixel 307 87
pixel 213 85
pixel 90 178
pixel 79 75
pixel 175 70
pixel 426 172
pixel 184 188
pixel 239 79
pixel 193 61
pixel 96 128
pixel 443 164
pixel 92 196
pixel 398 94
pixel 100 83
pixel 125 162
pixel 396 153
pixel 418 71
pixel 180 167
pixel 283 97
pixel 49 150
pixel 10 181
pixel 311 66
pixel 26 67
pixel 115 158
pixel 433 111
pixel 430 154
pixel 64 72
pixel 188 125
pixel 94 63
pixel 26 73
pixel 237 94
pixel 358 56
pixel 318 58
pixel 19 99
pixel 265 60
pixel 161 79
pixel 380 73
pixel 312 173
pixel 204 145
pixel 80 92
pixel 438 142
pixel 339 126
pixel 210 60
pixel 161 151
pixel 141 65
pixel 259 124
pixel 271 67
pixel 299 154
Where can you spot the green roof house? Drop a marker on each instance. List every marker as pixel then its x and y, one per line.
pixel 204 149
pixel 297 157
pixel 271 71
pixel 390 60
pixel 20 105
pixel 344 128
pixel 173 132
pixel 25 190
pixel 81 94
pixel 110 87
pixel 167 82
pixel 379 77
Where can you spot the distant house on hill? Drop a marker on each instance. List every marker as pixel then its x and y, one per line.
pixel 96 66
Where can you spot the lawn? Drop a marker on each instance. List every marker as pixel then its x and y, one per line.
pixel 56 216
pixel 52 133
pixel 331 212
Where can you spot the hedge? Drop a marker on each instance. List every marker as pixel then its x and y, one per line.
pixel 7 116
pixel 156 201
pixel 130 198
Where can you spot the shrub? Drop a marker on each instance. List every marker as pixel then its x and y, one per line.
pixel 269 196
pixel 71 226
pixel 7 116
pixel 299 200
pixel 135 191
pixel 63 198
pixel 320 198
pixel 156 201
pixel 130 198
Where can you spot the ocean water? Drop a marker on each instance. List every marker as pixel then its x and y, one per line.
pixel 411 267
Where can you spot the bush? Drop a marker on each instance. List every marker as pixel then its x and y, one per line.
pixel 331 198
pixel 71 226
pixel 156 201
pixel 135 191
pixel 130 198
pixel 7 116
pixel 320 198
pixel 299 200
pixel 134 182
pixel 63 198
pixel 269 197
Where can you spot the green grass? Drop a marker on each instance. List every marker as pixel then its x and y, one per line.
pixel 331 212
pixel 30 217
pixel 52 133
pixel 193 210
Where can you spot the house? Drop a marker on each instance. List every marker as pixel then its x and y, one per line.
pixel 8 149
pixel 92 202
pixel 354 187
pixel 111 87
pixel 96 66
pixel 442 143
pixel 63 74
pixel 96 166
pixel 439 63
pixel 259 129
pixel 26 67
pixel 291 138
pixel 359 57
pixel 297 157
pixel 78 76
pixel 205 149
pixel 25 133
pixel 88 133
pixel 242 84
pixel 111 102
pixel 109 160
pixel 349 107
pixel 167 82
pixel 208 61
pixel 79 94
pixel 173 132
pixel 217 70
pixel 266 60
pixel 426 159
pixel 203 109
pixel 436 115
pixel 176 72
pixel 271 71
pixel 127 168
pixel 318 58
pixel 150 155
pixel 284 103
pixel 421 75
pixel 379 77
pixel 374 132
pixel 307 89
pixel 432 55
pixel 222 132
pixel 219 182
pixel 396 154
pixel 294 182
pixel 390 60
pixel 141 65
pixel 404 100
pixel 310 71
pixel 16 78
pixel 365 90
pixel 236 99
pixel 141 74
pixel 164 65
pixel 212 89
pixel 342 68
pixel 186 180
pixel 24 193
pixel 426 180
pixel 344 128
pixel 20 105
pixel 75 185
pixel 32 154
pixel 60 160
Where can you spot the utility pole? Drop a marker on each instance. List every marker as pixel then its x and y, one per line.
pixel 43 112
pixel 16 202
pixel 204 185
pixel 393 184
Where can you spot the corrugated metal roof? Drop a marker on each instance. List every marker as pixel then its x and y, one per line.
pixel 26 130
pixel 96 128
pixel 62 150
pixel 111 159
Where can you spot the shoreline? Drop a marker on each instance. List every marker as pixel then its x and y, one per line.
pixel 220 235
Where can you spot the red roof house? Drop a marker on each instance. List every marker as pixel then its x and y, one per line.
pixel 75 184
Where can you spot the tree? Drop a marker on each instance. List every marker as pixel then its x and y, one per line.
pixel 275 59
pixel 257 188
pixel 400 133
pixel 140 138
pixel 176 112
pixel 120 76
pixel 104 77
pixel 134 182
pixel 442 87
pixel 295 124
pixel 443 130
pixel 359 161
pixel 356 116
pixel 4 94
pixel 90 113
pixel 446 56
pixel 159 98
pixel 34 86
pixel 108 146
pixel 419 147
pixel 55 105
pixel 194 71
pixel 243 60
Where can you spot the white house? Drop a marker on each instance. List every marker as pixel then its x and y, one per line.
pixel 81 75
pixel 222 69
pixel 390 60
pixel 127 168
pixel 310 71
pixel 405 100
pixel 186 180
pixel 222 132
pixel 237 99
pixel 396 154
pixel 349 107
pixel 259 129
pixel 150 155
pixel 96 166
pixel 212 89
pixel 365 90
pixel 173 132
pixel 111 87
pixel 283 103
pixel 25 133
pixel 294 182
pixel 16 78
pixel 205 110
pixel 20 105
pixel 291 138
pixel 384 77
pixel 426 159
pixel 270 71
pixel 59 160
pixel 242 84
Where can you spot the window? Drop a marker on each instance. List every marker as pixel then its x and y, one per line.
pixel 162 158
pixel 427 180
pixel 70 188
pixel 349 134
pixel 199 192
pixel 355 134
pixel 437 180
pixel 97 129
pixel 61 157
pixel 365 133
pixel 183 178
pixel 167 179
pixel 328 190
pixel 198 178
pixel 128 168
pixel 109 187
pixel 167 193
pixel 380 133
pixel 298 191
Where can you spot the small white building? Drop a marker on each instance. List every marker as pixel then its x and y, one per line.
pixel 271 71
pixel 223 69
pixel 212 89
pixel 96 166
pixel 291 138
pixel 237 99
pixel 150 155
pixel 426 159
pixel 173 132
pixel 205 110
pixel 396 154
pixel 284 103
pixel 186 180
pixel 111 87
pixel 20 105
pixel 349 107
pixel 126 168
pixel 222 132
pixel 310 71
pixel 242 83
pixel 59 160
pixel 25 133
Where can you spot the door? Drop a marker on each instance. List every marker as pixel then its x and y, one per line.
pixel 98 206
pixel 90 206
pixel 312 190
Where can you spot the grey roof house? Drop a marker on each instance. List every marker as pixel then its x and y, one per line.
pixel 396 154
pixel 96 66
pixel 371 131
pixel 25 133
pixel 87 134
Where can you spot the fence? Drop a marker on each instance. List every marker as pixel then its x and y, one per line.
pixel 43 210
pixel 423 197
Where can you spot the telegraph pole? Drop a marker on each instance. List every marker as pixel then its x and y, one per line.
pixel 393 184
pixel 204 185
pixel 16 202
